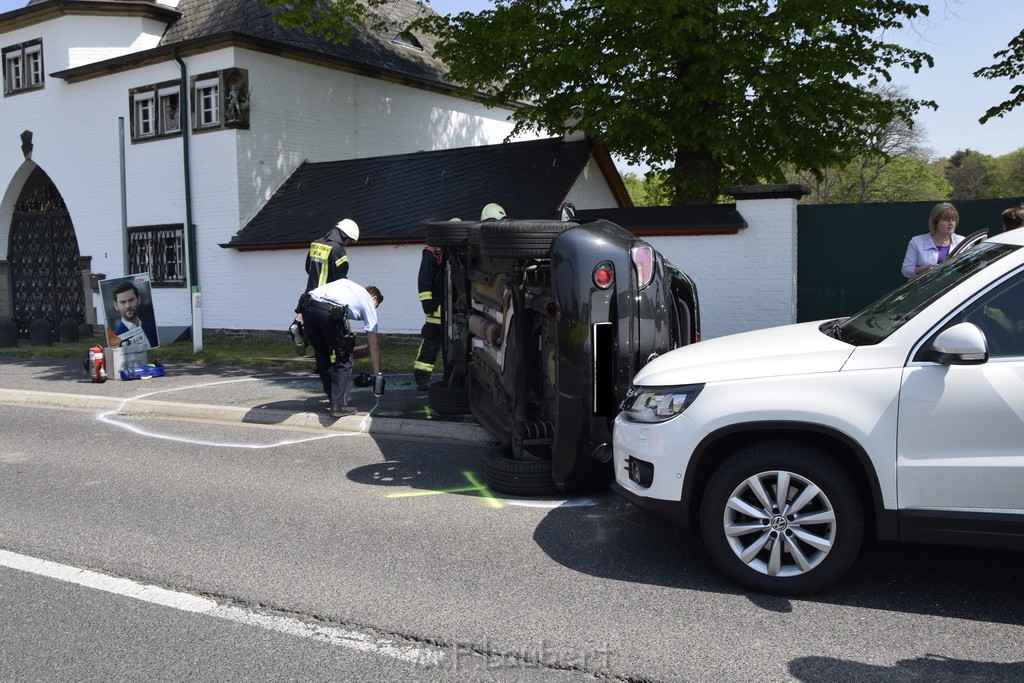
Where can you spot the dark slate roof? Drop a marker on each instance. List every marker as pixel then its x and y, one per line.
pixel 197 22
pixel 205 18
pixel 393 197
pixel 662 220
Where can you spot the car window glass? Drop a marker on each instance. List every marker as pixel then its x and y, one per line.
pixel 888 314
pixel 1000 315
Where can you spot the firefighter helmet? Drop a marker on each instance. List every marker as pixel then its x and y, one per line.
pixel 349 228
pixel 492 212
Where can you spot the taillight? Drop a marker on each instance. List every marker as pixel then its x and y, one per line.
pixel 643 261
pixel 604 276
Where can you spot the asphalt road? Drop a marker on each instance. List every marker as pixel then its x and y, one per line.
pixel 214 551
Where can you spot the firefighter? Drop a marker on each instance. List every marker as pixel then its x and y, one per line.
pixel 431 292
pixel 327 260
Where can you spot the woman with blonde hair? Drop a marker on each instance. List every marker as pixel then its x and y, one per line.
pixel 929 250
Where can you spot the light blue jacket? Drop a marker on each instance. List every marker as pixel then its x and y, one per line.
pixel 922 252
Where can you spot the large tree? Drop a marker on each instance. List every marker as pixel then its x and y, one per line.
pixel 714 92
pixel 972 174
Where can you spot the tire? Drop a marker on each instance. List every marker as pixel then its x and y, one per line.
pixel 446 234
pixel 520 239
pixel 445 399
pixel 518 477
pixel 763 559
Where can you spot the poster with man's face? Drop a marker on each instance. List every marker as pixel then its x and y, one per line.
pixel 128 307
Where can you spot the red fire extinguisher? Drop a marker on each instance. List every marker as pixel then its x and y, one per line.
pixel 96 365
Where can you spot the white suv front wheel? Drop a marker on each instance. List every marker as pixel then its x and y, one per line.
pixel 781 516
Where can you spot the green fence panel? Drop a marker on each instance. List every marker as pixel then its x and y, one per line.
pixel 848 255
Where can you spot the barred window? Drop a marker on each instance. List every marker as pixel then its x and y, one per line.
pixel 160 251
pixel 23 66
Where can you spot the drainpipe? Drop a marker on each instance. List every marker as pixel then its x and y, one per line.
pixel 190 229
pixel 124 194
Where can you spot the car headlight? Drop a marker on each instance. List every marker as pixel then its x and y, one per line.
pixel 657 404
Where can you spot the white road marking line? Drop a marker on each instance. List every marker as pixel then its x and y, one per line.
pixel 331 635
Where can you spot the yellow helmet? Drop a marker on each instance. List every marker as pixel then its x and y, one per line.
pixel 492 212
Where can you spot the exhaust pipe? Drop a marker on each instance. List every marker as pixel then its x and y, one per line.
pixel 485 329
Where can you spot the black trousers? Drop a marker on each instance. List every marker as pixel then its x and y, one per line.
pixel 426 357
pixel 322 333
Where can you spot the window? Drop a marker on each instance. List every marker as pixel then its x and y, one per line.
pixel 169 110
pixel 407 39
pixel 1000 315
pixel 207 98
pixel 160 251
pixel 155 110
pixel 144 124
pixel 23 67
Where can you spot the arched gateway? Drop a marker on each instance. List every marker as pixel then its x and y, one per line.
pixel 46 274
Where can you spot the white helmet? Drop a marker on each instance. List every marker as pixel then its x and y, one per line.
pixel 349 228
pixel 492 212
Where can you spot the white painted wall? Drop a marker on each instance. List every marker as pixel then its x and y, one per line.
pixel 745 281
pixel 299 111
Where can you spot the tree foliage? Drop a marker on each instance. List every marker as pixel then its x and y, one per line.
pixel 648 190
pixel 713 92
pixel 901 179
pixel 707 92
pixel 1010 64
pixel 971 174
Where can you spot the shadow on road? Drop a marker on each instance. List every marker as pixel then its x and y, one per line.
pixel 617 541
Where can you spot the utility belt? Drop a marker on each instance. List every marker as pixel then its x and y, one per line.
pixel 336 312
pixel 346 340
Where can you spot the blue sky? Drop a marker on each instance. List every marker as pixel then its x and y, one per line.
pixel 961 35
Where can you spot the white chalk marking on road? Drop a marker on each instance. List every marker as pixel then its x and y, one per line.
pixel 331 635
pixel 551 504
pixel 108 418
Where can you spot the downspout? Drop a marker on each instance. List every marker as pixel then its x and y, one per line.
pixel 190 229
pixel 124 194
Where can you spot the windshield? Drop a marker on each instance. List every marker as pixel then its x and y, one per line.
pixel 888 314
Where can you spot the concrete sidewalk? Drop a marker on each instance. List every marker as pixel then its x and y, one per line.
pixel 254 396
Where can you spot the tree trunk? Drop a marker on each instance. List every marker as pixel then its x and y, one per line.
pixel 696 176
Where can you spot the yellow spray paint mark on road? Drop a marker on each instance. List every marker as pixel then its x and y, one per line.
pixel 475 486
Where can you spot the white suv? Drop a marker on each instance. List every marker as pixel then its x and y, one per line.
pixel 787 445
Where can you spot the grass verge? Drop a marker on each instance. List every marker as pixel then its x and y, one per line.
pixel 225 353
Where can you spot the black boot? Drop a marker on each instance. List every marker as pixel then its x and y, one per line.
pixel 422 380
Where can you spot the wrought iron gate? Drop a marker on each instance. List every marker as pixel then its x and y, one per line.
pixel 46 278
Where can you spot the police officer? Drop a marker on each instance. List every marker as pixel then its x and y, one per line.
pixel 326 311
pixel 431 292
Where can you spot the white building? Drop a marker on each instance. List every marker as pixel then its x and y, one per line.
pixel 122 122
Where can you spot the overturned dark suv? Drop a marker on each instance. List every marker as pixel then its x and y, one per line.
pixel 546 323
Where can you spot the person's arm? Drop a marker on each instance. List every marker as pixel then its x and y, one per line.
pixel 910 268
pixel 374 348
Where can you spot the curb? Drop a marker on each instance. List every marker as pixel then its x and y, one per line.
pixel 359 423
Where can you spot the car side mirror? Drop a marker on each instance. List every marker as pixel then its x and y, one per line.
pixel 961 344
